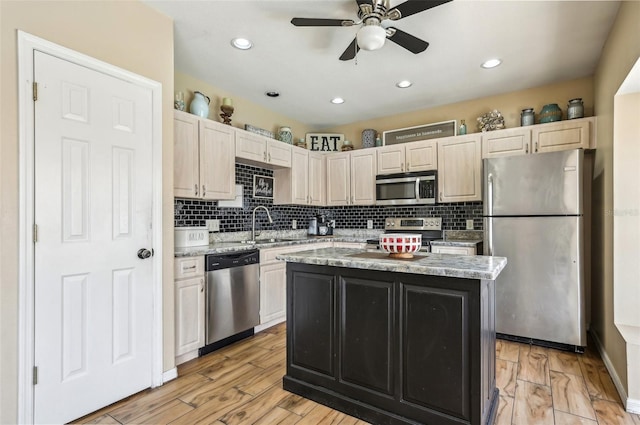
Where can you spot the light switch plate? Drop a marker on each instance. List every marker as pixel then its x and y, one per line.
pixel 294 224
pixel 213 225
pixel 369 224
pixel 469 224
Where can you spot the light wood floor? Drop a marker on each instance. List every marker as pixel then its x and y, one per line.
pixel 242 384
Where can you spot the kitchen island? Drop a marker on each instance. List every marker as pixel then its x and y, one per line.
pixel 392 341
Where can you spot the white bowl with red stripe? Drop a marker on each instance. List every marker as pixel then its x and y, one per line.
pixel 401 243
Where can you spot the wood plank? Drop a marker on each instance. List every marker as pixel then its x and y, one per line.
pixel 533 404
pixel 564 362
pixel 598 381
pixel 162 414
pixel 563 418
pixel 215 408
pixel 533 367
pixel 258 383
pixel 253 410
pixel 507 350
pixel 299 405
pixel 279 416
pixel 570 395
pixel 505 410
pixel 609 412
pixel 506 377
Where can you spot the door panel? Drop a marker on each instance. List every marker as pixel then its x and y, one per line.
pixel 93 193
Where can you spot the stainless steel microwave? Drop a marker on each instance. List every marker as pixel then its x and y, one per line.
pixel 407 189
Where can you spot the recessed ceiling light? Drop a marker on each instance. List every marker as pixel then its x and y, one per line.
pixel 337 100
pixel 272 94
pixel 241 43
pixel 491 63
pixel 404 84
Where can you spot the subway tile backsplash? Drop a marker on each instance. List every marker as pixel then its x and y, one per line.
pixel 193 212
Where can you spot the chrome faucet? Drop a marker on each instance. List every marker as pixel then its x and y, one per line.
pixel 253 221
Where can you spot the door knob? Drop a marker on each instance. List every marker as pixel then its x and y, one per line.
pixel 144 253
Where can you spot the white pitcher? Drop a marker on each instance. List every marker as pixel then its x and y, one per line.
pixel 200 105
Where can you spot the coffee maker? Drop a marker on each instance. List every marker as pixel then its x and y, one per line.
pixel 320 226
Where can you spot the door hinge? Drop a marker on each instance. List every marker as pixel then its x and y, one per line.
pixel 35 375
pixel 35 233
pixel 35 91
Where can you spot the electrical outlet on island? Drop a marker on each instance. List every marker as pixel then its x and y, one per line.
pixel 470 224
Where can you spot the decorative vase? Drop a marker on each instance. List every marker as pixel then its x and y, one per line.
pixel 200 105
pixel 368 138
pixel 550 113
pixel 463 128
pixel 527 117
pixel 575 109
pixel 284 135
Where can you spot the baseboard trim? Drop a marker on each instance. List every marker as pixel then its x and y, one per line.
pixel 267 325
pixel 614 376
pixel 169 375
pixel 633 406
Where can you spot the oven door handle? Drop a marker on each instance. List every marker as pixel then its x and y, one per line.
pixel 417 188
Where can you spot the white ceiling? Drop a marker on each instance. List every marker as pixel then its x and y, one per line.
pixel 539 42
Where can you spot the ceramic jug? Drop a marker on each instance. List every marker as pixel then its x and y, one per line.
pixel 550 113
pixel 200 105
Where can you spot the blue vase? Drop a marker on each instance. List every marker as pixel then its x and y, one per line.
pixel 550 113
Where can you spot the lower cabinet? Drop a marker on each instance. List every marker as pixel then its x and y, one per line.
pixel 392 347
pixel 189 307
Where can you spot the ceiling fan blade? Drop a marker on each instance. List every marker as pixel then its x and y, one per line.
pixel 408 41
pixel 313 22
pixel 411 7
pixel 351 51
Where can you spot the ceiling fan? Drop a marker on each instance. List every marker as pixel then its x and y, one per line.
pixel 372 35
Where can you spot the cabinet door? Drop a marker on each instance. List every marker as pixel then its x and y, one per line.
pixel 273 292
pixel 562 135
pixel 338 179
pixel 185 155
pixel 217 161
pixel 317 180
pixel 278 153
pixel 363 177
pixel 421 156
pixel 513 141
pixel 250 146
pixel 459 250
pixel 300 176
pixel 459 169
pixel 189 314
pixel 390 159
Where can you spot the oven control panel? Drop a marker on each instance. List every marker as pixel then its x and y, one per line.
pixel 413 223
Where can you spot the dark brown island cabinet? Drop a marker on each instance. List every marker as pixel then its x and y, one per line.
pixel 392 347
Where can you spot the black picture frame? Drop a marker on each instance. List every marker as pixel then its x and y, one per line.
pixel 262 187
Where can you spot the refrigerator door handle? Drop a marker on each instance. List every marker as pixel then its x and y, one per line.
pixel 490 212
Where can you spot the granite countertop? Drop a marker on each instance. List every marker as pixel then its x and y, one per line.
pixel 232 242
pixel 462 266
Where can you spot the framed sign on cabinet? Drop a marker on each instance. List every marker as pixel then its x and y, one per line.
pixel 420 132
pixel 262 187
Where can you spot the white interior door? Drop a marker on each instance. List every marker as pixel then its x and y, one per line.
pixel 93 199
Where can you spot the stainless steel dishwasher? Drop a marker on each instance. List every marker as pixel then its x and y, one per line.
pixel 232 296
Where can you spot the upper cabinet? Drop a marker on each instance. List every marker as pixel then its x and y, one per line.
pixel 459 169
pixel 256 149
pixel 304 182
pixel 407 157
pixel 556 136
pixel 351 178
pixel 204 158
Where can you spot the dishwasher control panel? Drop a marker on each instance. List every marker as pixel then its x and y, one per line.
pixel 232 259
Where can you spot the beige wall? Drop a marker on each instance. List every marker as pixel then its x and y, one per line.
pixel 245 112
pixel 127 34
pixel 620 52
pixel 510 105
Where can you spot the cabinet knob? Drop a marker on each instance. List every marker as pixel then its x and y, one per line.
pixel 269 156
pixel 196 187
pixel 264 155
pixel 204 190
pixel 526 148
pixel 536 146
pixel 201 285
pixel 440 196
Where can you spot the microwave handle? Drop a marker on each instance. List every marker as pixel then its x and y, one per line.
pixel 417 188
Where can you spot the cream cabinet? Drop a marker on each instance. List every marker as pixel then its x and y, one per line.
pixel 407 157
pixel 273 282
pixel 550 137
pixel 459 169
pixel 459 250
pixel 351 178
pixel 189 307
pixel 204 158
pixel 304 182
pixel 256 149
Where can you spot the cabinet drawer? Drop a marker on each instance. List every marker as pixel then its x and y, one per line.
pixel 186 267
pixel 459 250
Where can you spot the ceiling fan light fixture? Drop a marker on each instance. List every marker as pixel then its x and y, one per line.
pixel 371 37
pixel 491 63
pixel 404 84
pixel 337 100
pixel 241 43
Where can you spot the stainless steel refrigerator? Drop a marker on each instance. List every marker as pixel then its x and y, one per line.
pixel 533 215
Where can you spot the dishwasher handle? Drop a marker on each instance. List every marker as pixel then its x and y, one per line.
pixel 232 259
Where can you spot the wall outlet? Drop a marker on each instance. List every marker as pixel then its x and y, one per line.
pixel 469 224
pixel 294 224
pixel 369 224
pixel 213 225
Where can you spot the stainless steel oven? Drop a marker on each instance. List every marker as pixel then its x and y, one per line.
pixel 407 188
pixel 429 227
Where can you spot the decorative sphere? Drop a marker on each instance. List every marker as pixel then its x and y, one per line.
pixel 371 37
